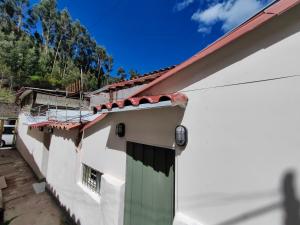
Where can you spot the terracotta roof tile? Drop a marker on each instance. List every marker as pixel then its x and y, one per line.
pixel 139 80
pixel 175 98
pixel 57 125
pixel 92 123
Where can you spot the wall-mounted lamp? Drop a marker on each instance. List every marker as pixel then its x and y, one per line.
pixel 120 130
pixel 181 136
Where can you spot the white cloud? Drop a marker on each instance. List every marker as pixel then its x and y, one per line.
pixel 182 5
pixel 230 12
pixel 204 30
pixel 210 15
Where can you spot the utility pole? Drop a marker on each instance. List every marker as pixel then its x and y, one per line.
pixel 80 94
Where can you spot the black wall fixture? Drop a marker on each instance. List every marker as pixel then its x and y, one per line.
pixel 181 136
pixel 120 130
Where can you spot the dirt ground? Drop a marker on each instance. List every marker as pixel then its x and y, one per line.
pixel 19 198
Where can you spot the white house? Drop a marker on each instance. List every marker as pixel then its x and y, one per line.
pixel 238 100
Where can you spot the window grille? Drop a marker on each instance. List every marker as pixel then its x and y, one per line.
pixel 91 178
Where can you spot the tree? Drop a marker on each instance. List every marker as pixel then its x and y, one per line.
pixel 63 33
pixel 53 56
pixel 46 13
pixel 133 74
pixel 121 73
pixel 12 13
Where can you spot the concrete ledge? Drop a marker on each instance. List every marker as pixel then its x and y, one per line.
pixel 181 219
pixel 2 186
pixel 1 208
pixel 2 183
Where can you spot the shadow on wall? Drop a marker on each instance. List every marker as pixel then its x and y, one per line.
pixel 155 127
pixel 24 151
pixel 44 139
pixel 159 159
pixel 290 205
pixel 70 218
pixel 152 127
pixel 290 202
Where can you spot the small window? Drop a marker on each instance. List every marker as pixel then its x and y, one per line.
pixel 91 178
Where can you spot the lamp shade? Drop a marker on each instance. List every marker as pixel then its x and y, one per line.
pixel 120 130
pixel 181 135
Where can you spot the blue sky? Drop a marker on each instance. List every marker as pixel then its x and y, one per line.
pixel 150 34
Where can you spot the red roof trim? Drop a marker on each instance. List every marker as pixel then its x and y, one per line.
pixel 65 125
pixel 175 98
pixel 40 124
pixel 92 123
pixel 56 124
pixel 273 10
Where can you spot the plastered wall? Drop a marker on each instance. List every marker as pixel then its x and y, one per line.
pixel 241 164
pixel 30 145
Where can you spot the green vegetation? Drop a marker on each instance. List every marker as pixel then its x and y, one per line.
pixel 44 47
pixel 6 95
pixel 8 221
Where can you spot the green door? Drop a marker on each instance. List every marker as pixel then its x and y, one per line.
pixel 149 194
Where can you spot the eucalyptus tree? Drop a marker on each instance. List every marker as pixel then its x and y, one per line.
pixel 61 52
pixel 12 14
pixel 63 34
pixel 46 13
pixel 121 73
pixel 21 8
pixel 133 74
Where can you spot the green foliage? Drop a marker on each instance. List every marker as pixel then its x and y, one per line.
pixel 121 73
pixel 6 95
pixel 54 57
pixel 8 221
pixel 133 74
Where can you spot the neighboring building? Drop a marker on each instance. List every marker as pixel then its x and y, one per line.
pixel 29 97
pixel 238 100
pixel 8 115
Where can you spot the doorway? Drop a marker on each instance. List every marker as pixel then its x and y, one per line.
pixel 149 192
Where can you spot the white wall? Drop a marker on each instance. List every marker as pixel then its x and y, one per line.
pixel 242 142
pixel 102 150
pixel 30 145
pixel 64 173
pixel 243 122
